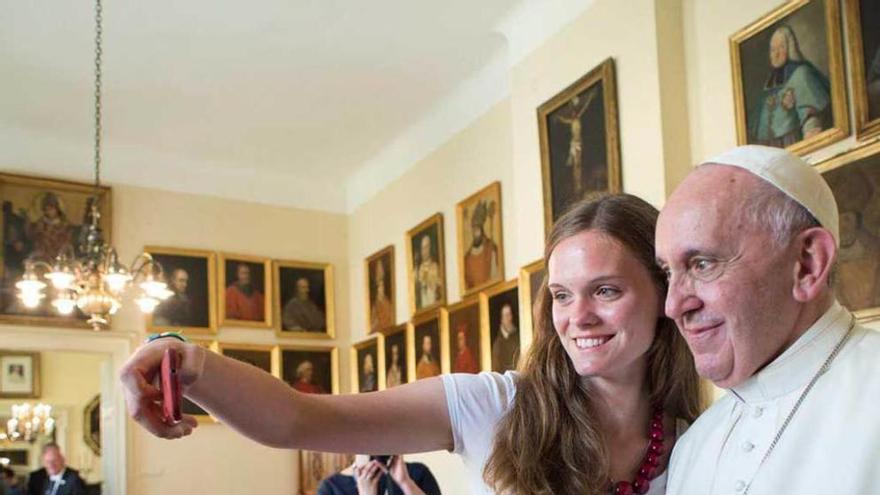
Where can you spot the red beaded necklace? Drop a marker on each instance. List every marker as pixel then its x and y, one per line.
pixel 648 470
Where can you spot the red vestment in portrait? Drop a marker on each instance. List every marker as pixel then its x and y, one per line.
pixel 478 267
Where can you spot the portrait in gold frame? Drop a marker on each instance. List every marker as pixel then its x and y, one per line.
pixel 368 351
pixel 380 295
pixel 194 272
pixel 492 316
pixel 580 142
pixel 428 351
pixel 776 100
pixel 303 299
pixel 854 178
pixel 426 279
pixel 238 308
pixel 324 377
pixel 466 343
pixel 480 240
pixel 41 211
pixel 531 279
pixel 864 60
pixel 396 373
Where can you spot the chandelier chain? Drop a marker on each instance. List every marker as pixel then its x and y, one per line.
pixel 98 104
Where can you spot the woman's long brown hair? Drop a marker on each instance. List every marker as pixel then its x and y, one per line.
pixel 550 441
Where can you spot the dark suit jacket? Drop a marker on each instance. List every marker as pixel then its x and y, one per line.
pixel 38 483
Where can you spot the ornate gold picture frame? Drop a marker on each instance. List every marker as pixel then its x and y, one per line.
pixel 367 359
pixel 864 62
pixel 480 240
pixel 310 369
pixel 380 290
pixel 426 265
pixel 244 290
pixel 303 299
pixel 191 275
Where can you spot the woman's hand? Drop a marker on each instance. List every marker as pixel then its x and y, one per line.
pixel 367 477
pixel 143 398
pixel 400 474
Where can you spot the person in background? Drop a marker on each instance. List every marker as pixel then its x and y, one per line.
pixel 10 484
pixel 55 478
pixel 371 478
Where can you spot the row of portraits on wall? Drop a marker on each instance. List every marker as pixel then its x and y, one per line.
pixel 480 260
pixel 485 332
pixel 293 297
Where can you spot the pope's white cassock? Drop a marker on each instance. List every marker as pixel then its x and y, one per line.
pixel 832 444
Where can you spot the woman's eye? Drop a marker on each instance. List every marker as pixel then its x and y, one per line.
pixel 607 292
pixel 559 296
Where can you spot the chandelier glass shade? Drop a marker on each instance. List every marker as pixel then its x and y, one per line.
pixel 28 422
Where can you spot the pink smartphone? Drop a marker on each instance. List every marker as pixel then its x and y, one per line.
pixel 171 387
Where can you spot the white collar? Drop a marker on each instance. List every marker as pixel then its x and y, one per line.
pixel 58 477
pixel 797 365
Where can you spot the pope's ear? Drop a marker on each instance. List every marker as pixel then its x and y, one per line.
pixel 816 252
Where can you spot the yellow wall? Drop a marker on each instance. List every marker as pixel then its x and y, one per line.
pixel 215 459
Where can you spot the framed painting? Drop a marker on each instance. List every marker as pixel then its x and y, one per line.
pixel 92 425
pixel 264 357
pixel 464 337
pixel 580 144
pixel 311 370
pixel 863 33
pixel 499 316
pixel 314 467
pixel 367 373
pixel 43 218
pixel 531 279
pixel 304 299
pixel 788 78
pixel 380 290
pixel 19 375
pixel 480 240
pixel 427 353
pixel 396 349
pixel 426 267
pixel 855 181
pixel 245 291
pixel 191 277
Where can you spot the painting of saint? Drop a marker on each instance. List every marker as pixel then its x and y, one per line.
pixel 427 276
pixel 380 289
pixel 465 339
pixel 480 242
pixel 786 67
pixel 305 299
pixel 43 219
pixel 580 153
pixel 855 180
pixel 396 370
pixel 190 277
pixel 311 371
pixel 427 340
pixel 243 298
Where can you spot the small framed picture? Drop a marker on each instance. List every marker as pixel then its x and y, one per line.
pixel 380 292
pixel 531 279
pixel 863 33
pixel 499 314
pixel 314 467
pixel 304 299
pixel 92 425
pixel 426 266
pixel 191 277
pixel 580 143
pixel 43 218
pixel 480 240
pixel 855 181
pixel 19 375
pixel 264 357
pixel 788 78
pixel 311 370
pixel 396 347
pixel 367 373
pixel 245 291
pixel 427 352
pixel 464 337
pixel 191 408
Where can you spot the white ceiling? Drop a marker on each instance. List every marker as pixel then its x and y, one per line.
pixel 307 103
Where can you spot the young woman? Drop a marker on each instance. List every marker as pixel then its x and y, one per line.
pixel 605 390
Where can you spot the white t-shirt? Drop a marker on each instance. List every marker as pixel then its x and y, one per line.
pixel 476 404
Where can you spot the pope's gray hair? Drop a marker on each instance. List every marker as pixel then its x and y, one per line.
pixel 768 208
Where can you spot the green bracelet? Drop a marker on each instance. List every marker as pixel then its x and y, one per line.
pixel 174 335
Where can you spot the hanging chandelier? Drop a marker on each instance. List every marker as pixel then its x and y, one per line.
pixel 28 422
pixel 90 276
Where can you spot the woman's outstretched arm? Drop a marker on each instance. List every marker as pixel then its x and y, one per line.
pixel 409 418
